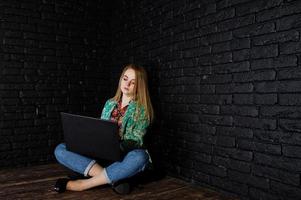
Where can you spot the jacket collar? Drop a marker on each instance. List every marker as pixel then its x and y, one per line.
pixel 130 102
pixel 128 113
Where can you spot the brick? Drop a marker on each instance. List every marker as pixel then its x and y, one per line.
pixel 205 60
pixel 12 34
pixel 218 16
pixel 199 147
pixel 255 29
pixel 191 89
pixel 290 125
pixel 12 71
pixel 189 44
pixel 215 99
pixel 291 73
pixel 276 174
pixel 266 87
pixel 290 100
pixel 257 6
pixel 13 49
pixel 221 58
pixel 241 43
pixel 241 55
pixel 208 139
pixel 288 22
pixel 231 67
pixel 218 120
pixel 216 37
pixel 217 78
pixel 38 36
pixel 207 89
pixel 204 109
pixel 233 186
pixel 201 177
pixel 281 37
pixel 196 52
pixel 211 169
pixel 249 179
pixel 190 69
pixel 11 26
pixel 239 110
pixel 265 99
pixel 235 132
pixel 281 61
pixel 13 42
pixel 225 141
pixel 225 3
pixel 185 98
pixel 292 151
pixel 14 18
pixel 221 47
pixel 28 27
pixel 208 29
pixel 277 12
pixel 290 164
pixel 260 147
pixel 224 14
pixel 235 23
pixel 289 86
pixel 202 157
pixel 285 190
pixel 292 138
pixel 13 79
pixel 290 47
pixel 232 164
pixel 22 12
pixel 183 117
pixel 264 51
pixel 242 99
pixel 281 111
pixel 254 76
pixel 261 194
pixel 210 8
pixel 250 122
pixel 234 153
pixel 204 128
pixel 234 88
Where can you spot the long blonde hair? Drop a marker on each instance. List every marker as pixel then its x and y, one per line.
pixel 141 94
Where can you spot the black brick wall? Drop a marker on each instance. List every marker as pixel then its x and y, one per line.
pixel 224 78
pixel 226 85
pixel 53 58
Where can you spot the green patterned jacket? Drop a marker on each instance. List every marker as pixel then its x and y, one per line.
pixel 132 130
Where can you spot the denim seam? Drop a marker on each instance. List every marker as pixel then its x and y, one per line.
pixel 106 175
pixel 89 167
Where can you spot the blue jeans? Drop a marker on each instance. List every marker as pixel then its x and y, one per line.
pixel 134 162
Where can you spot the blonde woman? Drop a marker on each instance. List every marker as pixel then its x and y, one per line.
pixel 131 108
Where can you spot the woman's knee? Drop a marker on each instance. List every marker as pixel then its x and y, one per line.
pixel 59 150
pixel 139 156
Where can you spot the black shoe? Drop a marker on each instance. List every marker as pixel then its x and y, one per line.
pixel 75 176
pixel 60 185
pixel 122 188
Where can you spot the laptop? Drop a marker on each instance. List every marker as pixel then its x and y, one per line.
pixel 92 137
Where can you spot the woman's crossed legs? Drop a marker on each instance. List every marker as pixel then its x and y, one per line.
pixel 134 162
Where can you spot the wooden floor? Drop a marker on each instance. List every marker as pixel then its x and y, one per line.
pixel 37 183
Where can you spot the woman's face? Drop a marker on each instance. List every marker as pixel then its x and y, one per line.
pixel 128 82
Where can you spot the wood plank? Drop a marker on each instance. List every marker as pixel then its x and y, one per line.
pixel 13 176
pixel 37 183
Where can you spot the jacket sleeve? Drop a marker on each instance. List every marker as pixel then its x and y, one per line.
pixel 134 138
pixel 104 110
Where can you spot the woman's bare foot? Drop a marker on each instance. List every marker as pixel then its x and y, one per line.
pixel 75 185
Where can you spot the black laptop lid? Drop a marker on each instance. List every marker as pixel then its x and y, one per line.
pixel 91 137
